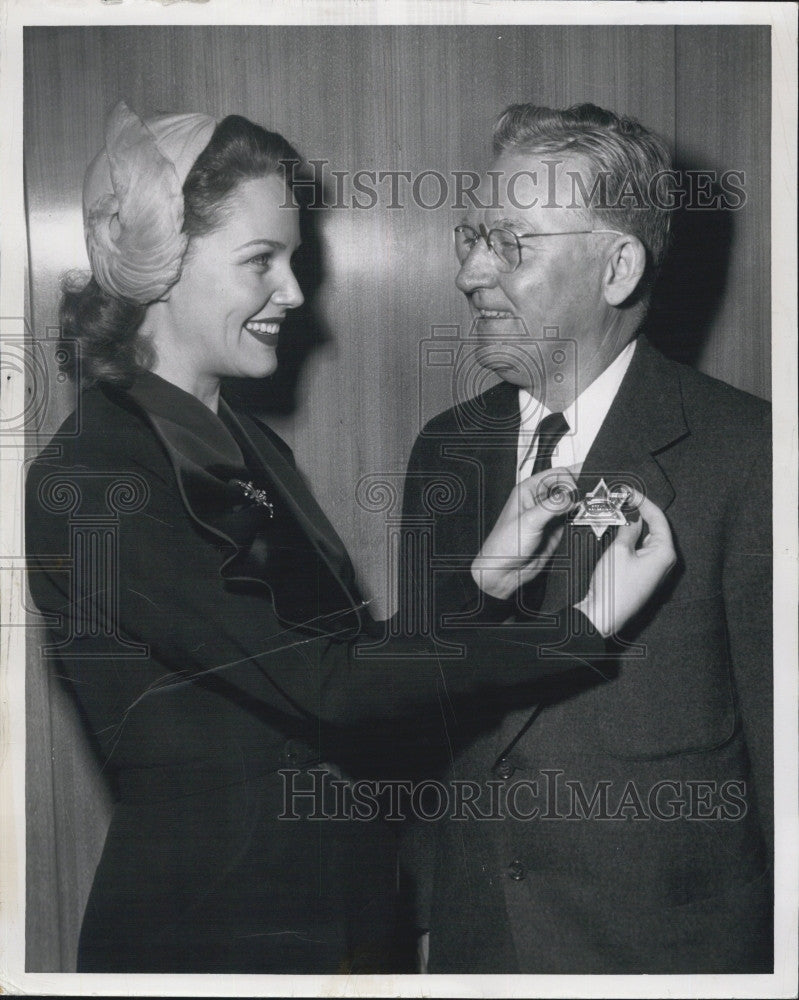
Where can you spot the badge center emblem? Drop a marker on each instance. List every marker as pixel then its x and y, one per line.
pixel 601 508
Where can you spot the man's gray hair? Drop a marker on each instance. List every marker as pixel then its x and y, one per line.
pixel 626 159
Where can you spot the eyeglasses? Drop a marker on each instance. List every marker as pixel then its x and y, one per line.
pixel 504 243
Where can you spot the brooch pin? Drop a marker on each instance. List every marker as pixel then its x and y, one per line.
pixel 257 496
pixel 601 508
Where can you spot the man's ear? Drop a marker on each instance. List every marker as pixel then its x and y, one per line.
pixel 624 269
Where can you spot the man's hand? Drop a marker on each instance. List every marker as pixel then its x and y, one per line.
pixel 526 534
pixel 627 574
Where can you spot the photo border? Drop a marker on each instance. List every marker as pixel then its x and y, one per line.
pixel 14 15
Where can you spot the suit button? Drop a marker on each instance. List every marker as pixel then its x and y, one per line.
pixel 503 768
pixel 515 870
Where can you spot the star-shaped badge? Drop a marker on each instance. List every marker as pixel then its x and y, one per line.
pixel 601 508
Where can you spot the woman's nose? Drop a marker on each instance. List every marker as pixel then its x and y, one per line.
pixel 289 294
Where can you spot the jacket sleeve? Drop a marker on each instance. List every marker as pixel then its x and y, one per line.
pixel 163 591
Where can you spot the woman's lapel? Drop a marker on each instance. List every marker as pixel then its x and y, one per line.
pixel 206 465
pixel 290 485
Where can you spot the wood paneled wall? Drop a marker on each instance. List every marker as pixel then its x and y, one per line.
pixel 355 389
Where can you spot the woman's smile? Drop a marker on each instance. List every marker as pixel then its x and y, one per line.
pixel 265 330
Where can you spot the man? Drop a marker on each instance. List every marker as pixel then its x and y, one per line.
pixel 635 832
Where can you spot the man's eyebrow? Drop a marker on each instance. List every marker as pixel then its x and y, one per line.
pixel 512 224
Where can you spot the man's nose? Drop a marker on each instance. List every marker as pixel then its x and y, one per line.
pixel 478 270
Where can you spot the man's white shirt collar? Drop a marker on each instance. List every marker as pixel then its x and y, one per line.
pixel 584 416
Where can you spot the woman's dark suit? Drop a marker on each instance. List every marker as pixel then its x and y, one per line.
pixel 210 646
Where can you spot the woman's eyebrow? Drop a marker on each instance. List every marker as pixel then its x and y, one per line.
pixel 262 241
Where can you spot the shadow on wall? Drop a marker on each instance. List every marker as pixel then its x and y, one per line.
pixel 693 279
pixel 303 330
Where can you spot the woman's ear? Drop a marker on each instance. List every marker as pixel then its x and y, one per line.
pixel 624 270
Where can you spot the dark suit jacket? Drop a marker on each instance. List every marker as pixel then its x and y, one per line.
pixel 210 646
pixel 630 883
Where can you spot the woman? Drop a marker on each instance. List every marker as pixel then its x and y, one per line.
pixel 209 620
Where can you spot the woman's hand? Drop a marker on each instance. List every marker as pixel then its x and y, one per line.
pixel 526 534
pixel 627 574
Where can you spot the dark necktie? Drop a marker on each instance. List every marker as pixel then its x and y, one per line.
pixel 550 431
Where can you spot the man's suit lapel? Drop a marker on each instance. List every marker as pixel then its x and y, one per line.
pixel 645 418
